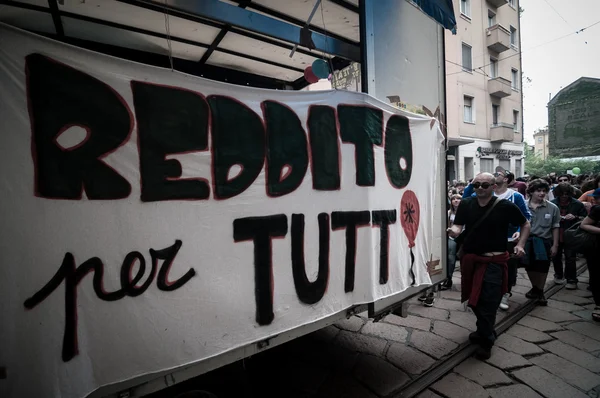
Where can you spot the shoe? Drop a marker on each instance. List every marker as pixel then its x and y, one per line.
pixel 504 302
pixel 532 294
pixel 474 337
pixel 446 286
pixel 423 297
pixel 559 281
pixel 571 286
pixel 541 301
pixel 429 301
pixel 595 314
pixel 483 353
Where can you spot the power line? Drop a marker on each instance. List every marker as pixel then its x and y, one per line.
pixel 532 48
pixel 557 13
pixel 472 70
pixel 587 27
pixel 484 72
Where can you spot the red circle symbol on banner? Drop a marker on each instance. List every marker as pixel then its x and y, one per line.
pixel 409 216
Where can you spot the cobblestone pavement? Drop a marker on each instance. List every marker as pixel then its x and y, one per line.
pixel 362 359
pixel 552 352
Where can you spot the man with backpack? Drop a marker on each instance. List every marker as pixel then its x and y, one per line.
pixel 484 269
pixel 513 234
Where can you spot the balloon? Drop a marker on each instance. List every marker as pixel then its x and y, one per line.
pixel 309 75
pixel 320 68
pixel 576 170
pixel 409 216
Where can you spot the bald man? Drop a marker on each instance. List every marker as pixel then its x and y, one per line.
pixel 484 261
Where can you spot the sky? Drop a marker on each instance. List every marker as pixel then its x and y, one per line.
pixel 553 55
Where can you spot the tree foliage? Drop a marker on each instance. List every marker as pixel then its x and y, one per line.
pixel 535 165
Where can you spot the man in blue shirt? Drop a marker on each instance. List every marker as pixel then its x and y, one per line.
pixel 513 234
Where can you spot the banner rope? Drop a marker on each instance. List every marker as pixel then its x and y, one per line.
pixel 327 48
pixel 168 32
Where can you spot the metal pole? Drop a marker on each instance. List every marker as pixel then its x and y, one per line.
pixel 362 17
pixel 312 14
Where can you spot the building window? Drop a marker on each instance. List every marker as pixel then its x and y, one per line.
pixel 540 140
pixel 514 79
pixel 465 8
pixel 491 19
pixel 487 165
pixel 512 3
pixel 513 36
pixel 493 68
pixel 468 110
pixel 505 164
pixel 516 121
pixel 518 166
pixel 467 61
pixel 495 113
pixel 468 165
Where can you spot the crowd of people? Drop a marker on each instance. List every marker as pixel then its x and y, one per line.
pixel 499 223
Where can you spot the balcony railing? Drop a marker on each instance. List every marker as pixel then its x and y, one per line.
pixel 497 3
pixel 498 38
pixel 502 132
pixel 499 87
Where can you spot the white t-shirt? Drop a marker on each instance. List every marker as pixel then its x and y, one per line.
pixel 506 195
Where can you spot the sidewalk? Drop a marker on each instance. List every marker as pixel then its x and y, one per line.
pixel 357 358
pixel 552 352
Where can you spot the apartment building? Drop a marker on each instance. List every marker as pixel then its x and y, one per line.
pixel 483 89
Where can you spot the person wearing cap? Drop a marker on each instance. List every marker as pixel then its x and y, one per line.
pixel 591 224
pixel 595 195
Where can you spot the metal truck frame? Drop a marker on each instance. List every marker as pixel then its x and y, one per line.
pixel 422 43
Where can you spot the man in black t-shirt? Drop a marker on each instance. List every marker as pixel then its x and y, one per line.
pixel 484 262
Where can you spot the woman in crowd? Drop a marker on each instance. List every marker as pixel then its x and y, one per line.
pixel 591 224
pixel 451 193
pixel 451 263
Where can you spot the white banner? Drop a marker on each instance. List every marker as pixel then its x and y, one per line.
pixel 152 219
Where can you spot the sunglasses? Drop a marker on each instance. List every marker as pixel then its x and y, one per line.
pixel 484 185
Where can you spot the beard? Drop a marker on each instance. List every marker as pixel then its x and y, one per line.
pixel 483 194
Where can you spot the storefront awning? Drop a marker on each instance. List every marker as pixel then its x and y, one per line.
pixel 440 10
